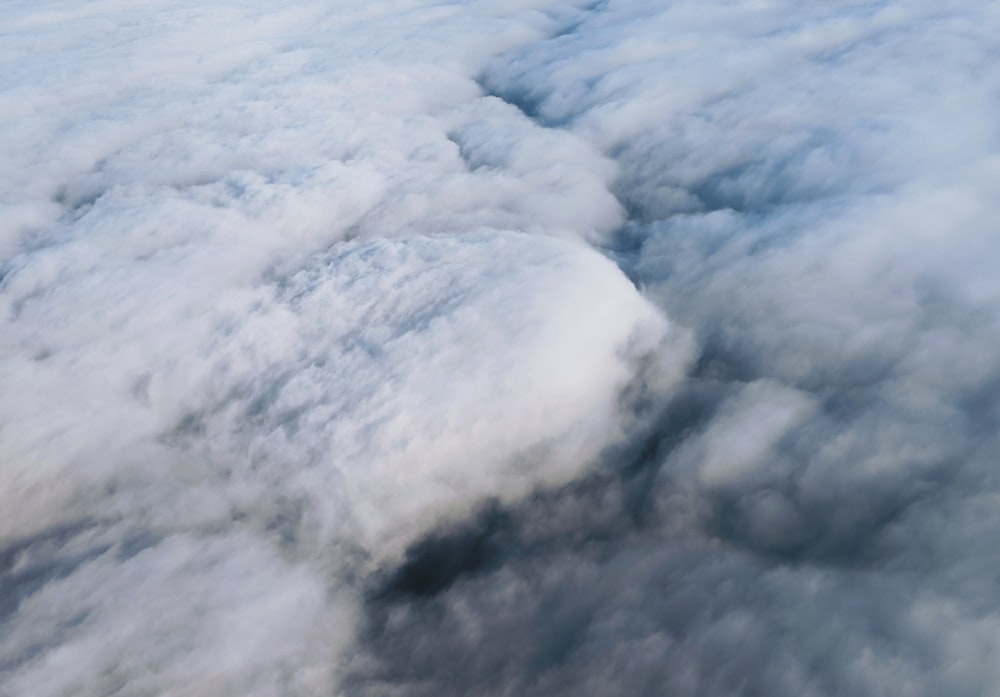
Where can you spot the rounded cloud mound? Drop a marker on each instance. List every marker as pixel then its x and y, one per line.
pixel 385 388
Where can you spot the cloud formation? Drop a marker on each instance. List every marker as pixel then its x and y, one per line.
pixel 281 290
pixel 813 191
pixel 499 348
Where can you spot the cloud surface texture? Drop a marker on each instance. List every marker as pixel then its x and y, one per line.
pixel 499 348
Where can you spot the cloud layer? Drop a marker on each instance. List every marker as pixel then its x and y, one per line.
pixel 499 348
pixel 282 289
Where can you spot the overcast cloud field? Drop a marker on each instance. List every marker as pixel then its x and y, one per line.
pixel 511 348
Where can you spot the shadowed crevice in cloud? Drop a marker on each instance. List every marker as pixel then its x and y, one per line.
pixel 495 532
pixel 523 100
pixel 27 564
pixel 522 95
pixel 438 561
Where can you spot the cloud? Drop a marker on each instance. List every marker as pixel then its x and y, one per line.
pixel 498 348
pixel 812 191
pixel 282 290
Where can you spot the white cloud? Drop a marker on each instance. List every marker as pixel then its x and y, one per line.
pixel 283 288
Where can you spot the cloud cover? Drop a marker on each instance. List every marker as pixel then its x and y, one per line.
pixel 319 374
pixel 275 301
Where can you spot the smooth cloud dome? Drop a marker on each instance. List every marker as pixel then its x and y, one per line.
pixel 499 348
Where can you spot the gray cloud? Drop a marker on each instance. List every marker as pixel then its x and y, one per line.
pixel 335 353
pixel 281 290
pixel 808 189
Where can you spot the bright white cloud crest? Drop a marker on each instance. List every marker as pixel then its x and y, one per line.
pixel 697 299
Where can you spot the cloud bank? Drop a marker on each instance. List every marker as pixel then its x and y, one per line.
pixel 499 348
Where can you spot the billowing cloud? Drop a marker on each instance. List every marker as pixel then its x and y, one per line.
pixel 499 348
pixel 282 290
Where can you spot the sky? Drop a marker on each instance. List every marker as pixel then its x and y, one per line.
pixel 499 347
